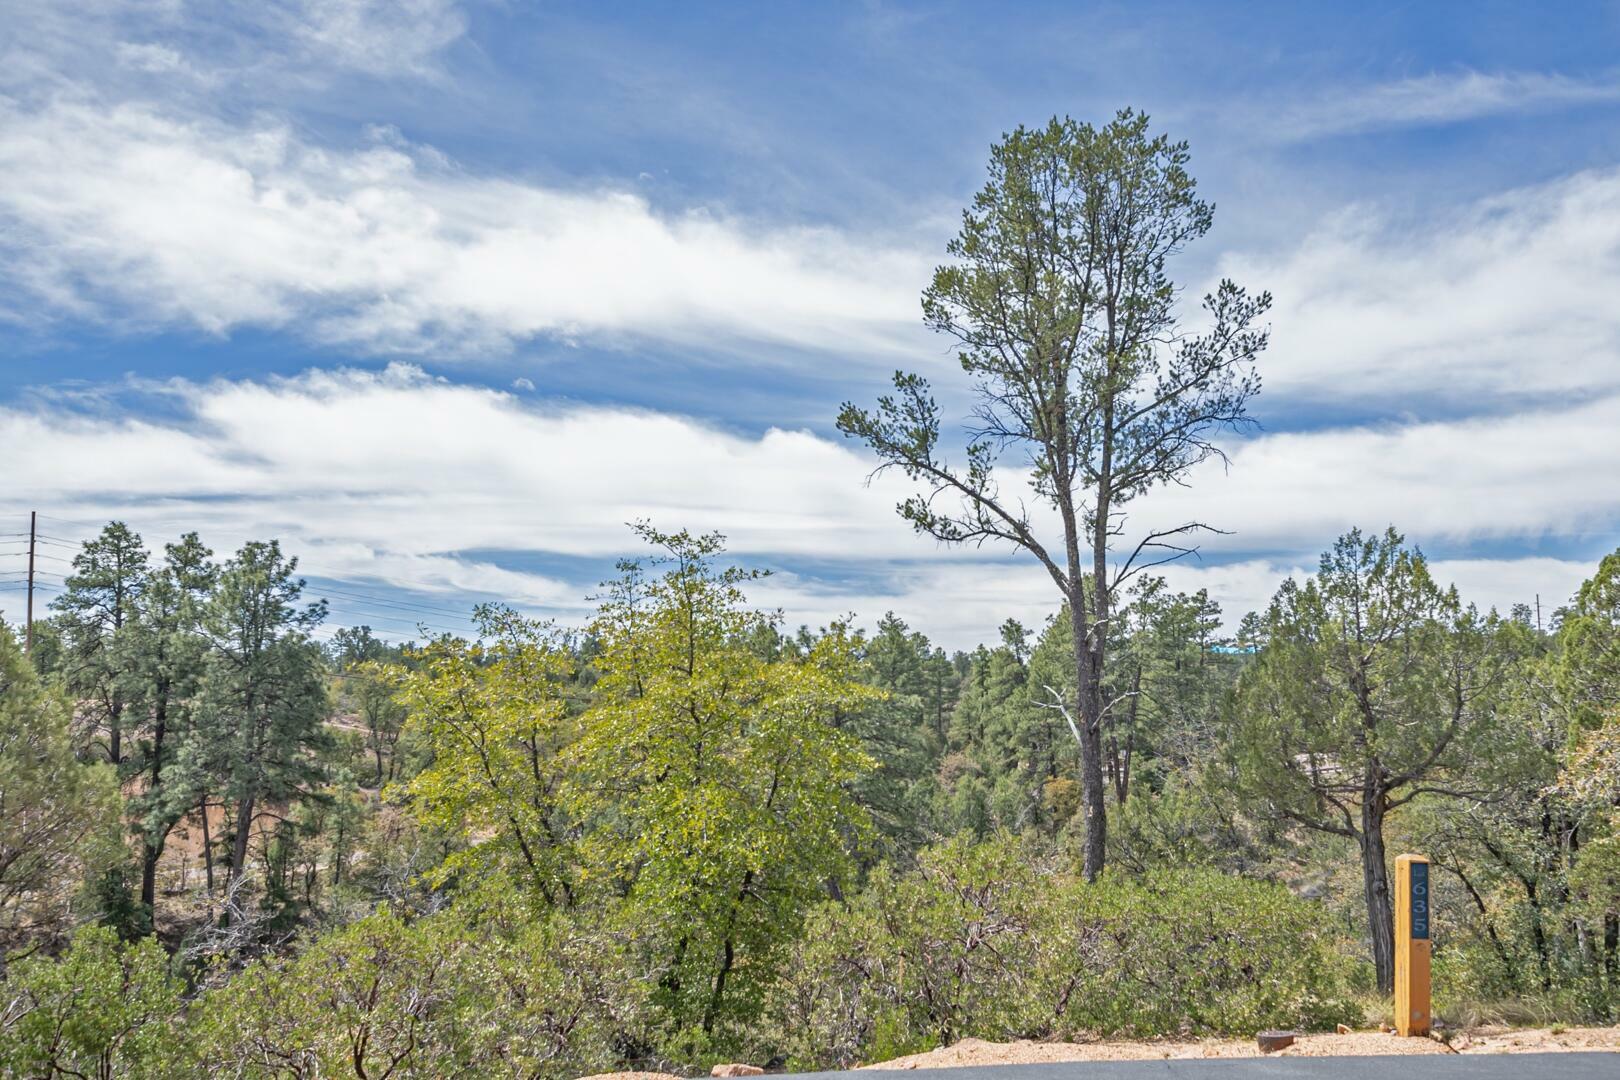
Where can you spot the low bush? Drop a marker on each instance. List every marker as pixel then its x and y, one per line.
pixel 991 941
pixel 484 989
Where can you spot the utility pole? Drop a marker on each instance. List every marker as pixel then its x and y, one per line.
pixel 28 627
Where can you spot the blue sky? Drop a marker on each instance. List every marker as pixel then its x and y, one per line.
pixel 443 293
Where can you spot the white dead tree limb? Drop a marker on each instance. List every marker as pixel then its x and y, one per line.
pixel 1057 703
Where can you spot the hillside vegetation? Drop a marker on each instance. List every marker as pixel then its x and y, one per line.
pixel 684 834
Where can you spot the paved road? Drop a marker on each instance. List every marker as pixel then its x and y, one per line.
pixel 1572 1066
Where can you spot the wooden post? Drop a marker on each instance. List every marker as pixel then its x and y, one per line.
pixel 1412 911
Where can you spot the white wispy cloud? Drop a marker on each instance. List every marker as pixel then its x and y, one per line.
pixel 142 206
pixel 401 479
pixel 1434 98
pixel 1510 298
pixel 258 47
pixel 378 37
pixel 141 218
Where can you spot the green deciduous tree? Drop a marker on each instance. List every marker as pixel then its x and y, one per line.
pixel 104 1010
pixel 373 689
pixel 713 784
pixel 1061 298
pixel 492 716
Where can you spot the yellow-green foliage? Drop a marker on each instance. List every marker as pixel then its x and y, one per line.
pixel 492 716
pixel 701 802
pixel 711 782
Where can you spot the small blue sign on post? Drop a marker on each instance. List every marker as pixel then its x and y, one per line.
pixel 1420 901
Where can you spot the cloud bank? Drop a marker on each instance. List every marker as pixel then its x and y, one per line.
pixel 403 480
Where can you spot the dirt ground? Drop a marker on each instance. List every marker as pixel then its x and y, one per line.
pixel 1355 1044
pixel 1484 1040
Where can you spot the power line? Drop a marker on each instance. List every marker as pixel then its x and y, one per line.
pixel 81 524
pixel 28 628
pixel 390 602
pixel 401 620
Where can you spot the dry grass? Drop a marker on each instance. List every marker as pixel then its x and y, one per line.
pixel 1506 1014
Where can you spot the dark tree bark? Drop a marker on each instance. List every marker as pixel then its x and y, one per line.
pixel 208 847
pixel 1375 888
pixel 153 839
pixel 1090 710
pixel 239 845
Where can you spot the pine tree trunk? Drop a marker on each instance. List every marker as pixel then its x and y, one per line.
pixel 1092 785
pixel 150 853
pixel 152 845
pixel 208 847
pixel 244 823
pixel 115 731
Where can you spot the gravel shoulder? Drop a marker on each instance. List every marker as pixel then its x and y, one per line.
pixel 1484 1040
pixel 1355 1044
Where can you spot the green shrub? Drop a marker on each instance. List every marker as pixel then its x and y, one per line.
pixel 1196 953
pixel 989 941
pixel 103 1009
pixel 483 990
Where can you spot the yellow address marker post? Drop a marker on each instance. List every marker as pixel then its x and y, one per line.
pixel 1412 910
